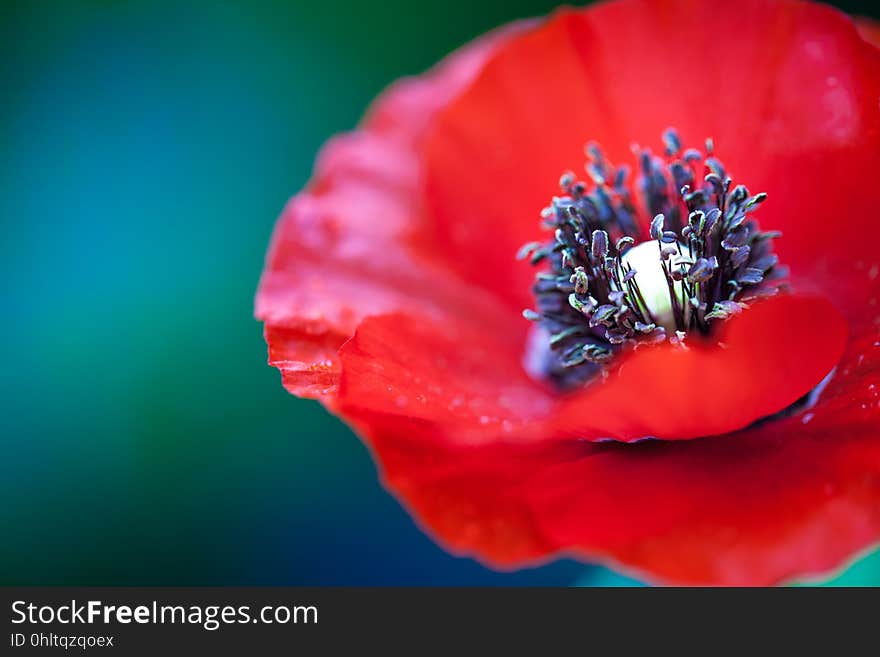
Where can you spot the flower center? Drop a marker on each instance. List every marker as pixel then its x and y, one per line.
pixel 703 259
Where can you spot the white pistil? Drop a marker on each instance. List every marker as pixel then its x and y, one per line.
pixel 645 259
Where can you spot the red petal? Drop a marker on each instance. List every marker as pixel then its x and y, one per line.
pixel 773 354
pixel 340 250
pixel 468 497
pixel 757 508
pixel 788 91
pixel 466 381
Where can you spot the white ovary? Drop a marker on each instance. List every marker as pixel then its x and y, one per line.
pixel 645 259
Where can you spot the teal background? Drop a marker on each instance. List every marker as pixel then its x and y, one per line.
pixel 146 149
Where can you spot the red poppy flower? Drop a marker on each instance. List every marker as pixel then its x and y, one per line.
pixel 391 294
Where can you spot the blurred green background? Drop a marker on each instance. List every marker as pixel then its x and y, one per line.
pixel 146 149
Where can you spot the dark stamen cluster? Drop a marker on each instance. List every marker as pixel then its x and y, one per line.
pixel 710 250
